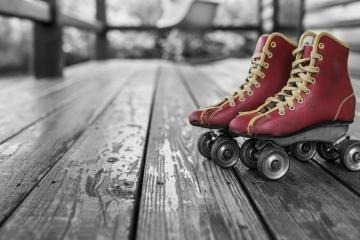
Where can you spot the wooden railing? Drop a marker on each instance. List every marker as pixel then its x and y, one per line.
pixel 346 26
pixel 48 35
pixel 48 31
pixel 49 22
pixel 269 20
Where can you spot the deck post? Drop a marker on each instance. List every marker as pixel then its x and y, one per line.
pixel 259 15
pixel 101 45
pixel 275 19
pixel 48 57
pixel 300 27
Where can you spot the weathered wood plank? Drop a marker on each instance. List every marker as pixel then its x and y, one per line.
pixel 90 192
pixel 27 157
pixel 185 196
pixel 21 107
pixel 307 204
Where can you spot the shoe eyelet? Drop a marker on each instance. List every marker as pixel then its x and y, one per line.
pixel 301 101
pixel 313 80
pixel 250 93
pixel 270 55
pixel 273 44
pixel 257 85
pixel 282 113
pixel 242 99
pixel 320 58
pixel 291 108
pixel 321 45
pixel 231 104
pixel 308 92
pixel 266 65
pixel 262 75
pixel 317 69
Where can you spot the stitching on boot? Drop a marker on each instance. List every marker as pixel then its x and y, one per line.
pixel 205 114
pixel 257 122
pixel 341 105
pixel 214 112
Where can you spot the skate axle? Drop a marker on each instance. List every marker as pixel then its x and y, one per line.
pixel 356 157
pixel 275 165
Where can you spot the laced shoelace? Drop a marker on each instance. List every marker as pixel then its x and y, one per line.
pixel 254 72
pixel 299 78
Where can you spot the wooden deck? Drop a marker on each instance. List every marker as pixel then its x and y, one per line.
pixel 108 153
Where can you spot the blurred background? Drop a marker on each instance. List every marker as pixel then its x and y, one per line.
pixel 236 25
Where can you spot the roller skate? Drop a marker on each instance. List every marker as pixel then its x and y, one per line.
pixel 271 65
pixel 311 114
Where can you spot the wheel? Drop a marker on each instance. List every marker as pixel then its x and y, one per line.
pixel 204 144
pixel 327 151
pixel 225 151
pixel 350 155
pixel 247 151
pixel 304 151
pixel 273 163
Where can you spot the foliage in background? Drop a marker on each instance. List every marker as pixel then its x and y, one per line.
pixel 15 45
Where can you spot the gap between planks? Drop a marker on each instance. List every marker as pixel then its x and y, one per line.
pixel 65 202
pixel 12 196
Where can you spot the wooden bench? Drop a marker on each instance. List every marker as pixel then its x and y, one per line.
pixel 117 159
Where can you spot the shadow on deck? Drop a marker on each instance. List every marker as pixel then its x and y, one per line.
pixel 108 153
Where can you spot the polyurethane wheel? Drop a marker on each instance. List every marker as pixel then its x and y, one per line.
pixel 303 151
pixel 327 151
pixel 247 151
pixel 273 163
pixel 225 151
pixel 204 144
pixel 350 155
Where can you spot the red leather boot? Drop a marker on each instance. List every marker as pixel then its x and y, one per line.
pixel 311 113
pixel 271 65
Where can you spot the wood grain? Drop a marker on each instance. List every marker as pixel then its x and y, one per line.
pixel 27 157
pixel 25 105
pixel 90 192
pixel 183 195
pixel 306 204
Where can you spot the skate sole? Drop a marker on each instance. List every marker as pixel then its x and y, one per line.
pixel 208 127
pixel 321 133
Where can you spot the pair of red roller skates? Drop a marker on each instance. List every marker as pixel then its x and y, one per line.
pixel 297 100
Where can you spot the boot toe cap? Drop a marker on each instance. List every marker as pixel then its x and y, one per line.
pixel 195 118
pixel 239 125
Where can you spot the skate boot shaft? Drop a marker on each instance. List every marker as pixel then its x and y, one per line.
pixel 239 125
pixel 271 65
pixel 318 92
